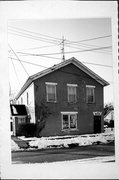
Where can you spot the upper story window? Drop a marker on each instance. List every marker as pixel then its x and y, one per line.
pixel 90 94
pixel 51 92
pixel 72 92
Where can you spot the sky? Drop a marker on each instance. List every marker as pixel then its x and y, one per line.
pixel 41 41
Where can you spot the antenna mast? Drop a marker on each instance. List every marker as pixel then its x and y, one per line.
pixel 62 49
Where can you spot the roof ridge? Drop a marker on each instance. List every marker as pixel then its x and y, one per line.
pixel 59 65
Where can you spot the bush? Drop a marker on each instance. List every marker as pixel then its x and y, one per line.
pixel 27 130
pixel 111 124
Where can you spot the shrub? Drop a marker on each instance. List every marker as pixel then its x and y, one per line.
pixel 111 124
pixel 27 130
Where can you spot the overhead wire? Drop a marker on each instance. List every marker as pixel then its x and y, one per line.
pixel 19 60
pixel 35 33
pixel 15 71
pixel 40 47
pixel 67 71
pixel 95 51
pixel 32 54
pixel 50 57
pixel 28 62
pixel 90 39
pixel 68 42
pixel 34 38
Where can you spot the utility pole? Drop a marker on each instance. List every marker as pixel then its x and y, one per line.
pixel 62 49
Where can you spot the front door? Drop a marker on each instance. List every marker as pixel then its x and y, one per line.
pixel 97 124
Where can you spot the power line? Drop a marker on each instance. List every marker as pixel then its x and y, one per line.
pixel 100 37
pixel 24 34
pixel 19 60
pixel 51 37
pixel 68 42
pixel 33 37
pixel 34 48
pixel 28 62
pixel 15 71
pixel 90 45
pixel 70 72
pixel 50 57
pixel 47 40
pixel 93 49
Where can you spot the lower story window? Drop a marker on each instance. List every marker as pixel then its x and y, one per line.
pixel 69 120
pixel 21 120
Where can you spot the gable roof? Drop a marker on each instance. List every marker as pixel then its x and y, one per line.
pixel 110 111
pixel 58 66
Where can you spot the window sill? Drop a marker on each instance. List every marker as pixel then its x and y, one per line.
pixel 72 102
pixel 90 102
pixel 69 130
pixel 51 101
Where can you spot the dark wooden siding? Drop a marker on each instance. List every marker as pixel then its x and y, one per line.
pixel 72 75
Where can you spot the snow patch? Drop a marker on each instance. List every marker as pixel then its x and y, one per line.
pixel 81 140
pixel 14 146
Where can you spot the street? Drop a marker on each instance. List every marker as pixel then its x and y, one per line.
pixel 53 155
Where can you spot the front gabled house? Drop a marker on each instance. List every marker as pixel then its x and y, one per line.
pixel 74 97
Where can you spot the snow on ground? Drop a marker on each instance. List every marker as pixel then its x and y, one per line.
pixel 14 146
pixel 67 141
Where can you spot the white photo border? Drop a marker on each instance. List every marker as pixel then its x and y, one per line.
pixel 10 10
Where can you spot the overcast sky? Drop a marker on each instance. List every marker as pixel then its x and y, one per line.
pixel 31 40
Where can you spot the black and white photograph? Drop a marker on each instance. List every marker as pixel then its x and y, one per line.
pixel 61 90
pixel 61 94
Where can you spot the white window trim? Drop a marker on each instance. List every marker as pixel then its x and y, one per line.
pixel 90 86
pixel 50 83
pixel 68 113
pixel 54 84
pixel 74 85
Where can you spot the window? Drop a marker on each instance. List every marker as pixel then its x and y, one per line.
pixel 51 92
pixel 21 120
pixel 27 98
pixel 72 97
pixel 90 94
pixel 69 121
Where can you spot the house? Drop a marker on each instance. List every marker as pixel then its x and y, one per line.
pixel 19 115
pixel 109 116
pixel 73 96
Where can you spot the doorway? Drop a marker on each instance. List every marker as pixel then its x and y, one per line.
pixel 97 124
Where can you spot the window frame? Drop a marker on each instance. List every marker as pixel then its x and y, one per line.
pixel 51 84
pixel 69 114
pixel 91 87
pixel 75 86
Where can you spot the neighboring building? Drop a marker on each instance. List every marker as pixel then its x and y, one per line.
pixel 109 116
pixel 73 94
pixel 19 115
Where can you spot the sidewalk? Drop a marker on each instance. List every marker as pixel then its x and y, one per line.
pixel 21 143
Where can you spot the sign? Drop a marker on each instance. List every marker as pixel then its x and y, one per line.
pixel 97 113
